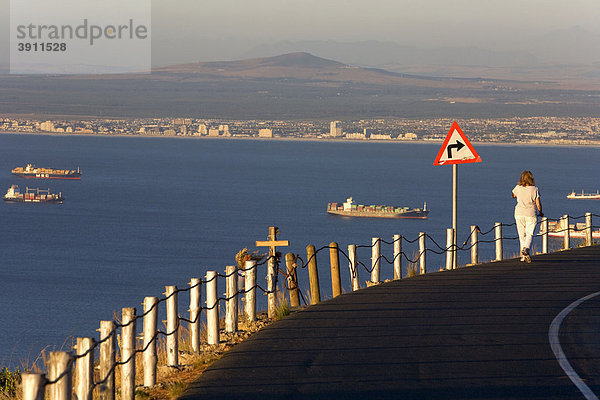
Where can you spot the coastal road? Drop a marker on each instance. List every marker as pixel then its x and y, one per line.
pixel 480 332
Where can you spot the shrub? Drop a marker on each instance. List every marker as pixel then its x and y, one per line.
pixel 9 381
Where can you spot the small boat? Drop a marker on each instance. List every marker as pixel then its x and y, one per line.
pixel 31 171
pixel 14 195
pixel 584 196
pixel 349 209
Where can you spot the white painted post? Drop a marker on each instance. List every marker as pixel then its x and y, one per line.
pixel 60 371
pixel 250 289
pixel 474 244
pixel 32 385
pixel 150 359
pixel 195 309
pixel 172 327
pixel 544 229
pixel 240 285
pixel 422 254
pixel 352 264
pixel 271 287
pixel 212 312
pixel 449 248
pixel 128 354
pixel 588 229
pixel 85 368
pixel 566 229
pixel 498 231
pixel 231 309
pixel 108 346
pixel 375 259
pixel 397 257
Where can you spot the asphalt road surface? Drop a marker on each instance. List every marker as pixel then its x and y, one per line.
pixel 474 333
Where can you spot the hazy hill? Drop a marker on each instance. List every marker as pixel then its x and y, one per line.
pixel 376 53
pixel 303 67
pixel 290 86
pixel 565 46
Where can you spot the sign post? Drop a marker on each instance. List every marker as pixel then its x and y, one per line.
pixel 456 149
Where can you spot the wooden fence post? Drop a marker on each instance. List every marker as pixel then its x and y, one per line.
pixel 313 274
pixel 588 229
pixel 334 257
pixel 195 312
pixel 498 231
pixel 422 254
pixel 566 231
pixel 150 322
pixel 544 230
pixel 128 354
pixel 60 371
pixel 250 289
pixel 212 311
pixel 108 350
pixel 32 385
pixel 231 309
pixel 375 259
pixel 85 368
pixel 172 327
pixel 292 279
pixel 474 244
pixel 353 265
pixel 397 257
pixel 450 248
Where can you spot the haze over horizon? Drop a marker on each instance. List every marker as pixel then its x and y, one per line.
pixel 551 31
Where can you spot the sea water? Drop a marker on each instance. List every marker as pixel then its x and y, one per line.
pixel 151 212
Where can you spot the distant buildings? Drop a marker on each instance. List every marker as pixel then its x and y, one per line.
pixel 380 136
pixel 335 129
pixel 47 126
pixel 265 133
pixel 542 130
pixel 224 130
pixel 357 136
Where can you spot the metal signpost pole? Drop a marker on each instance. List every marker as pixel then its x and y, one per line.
pixel 454 213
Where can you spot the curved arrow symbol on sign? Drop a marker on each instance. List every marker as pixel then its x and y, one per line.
pixel 458 145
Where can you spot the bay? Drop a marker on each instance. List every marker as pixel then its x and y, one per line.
pixel 151 212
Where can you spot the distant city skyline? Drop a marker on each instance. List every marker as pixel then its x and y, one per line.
pixel 195 30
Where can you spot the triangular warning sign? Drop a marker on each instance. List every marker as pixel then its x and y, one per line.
pixel 456 149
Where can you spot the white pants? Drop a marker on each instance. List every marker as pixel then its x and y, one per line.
pixel 525 228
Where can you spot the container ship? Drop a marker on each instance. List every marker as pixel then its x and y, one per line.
pixel 32 196
pixel 349 209
pixel 578 231
pixel 584 196
pixel 46 173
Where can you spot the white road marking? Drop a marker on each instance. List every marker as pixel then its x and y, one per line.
pixel 560 355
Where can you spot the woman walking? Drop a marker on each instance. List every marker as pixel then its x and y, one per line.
pixel 528 205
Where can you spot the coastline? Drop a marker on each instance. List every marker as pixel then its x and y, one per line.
pixel 310 139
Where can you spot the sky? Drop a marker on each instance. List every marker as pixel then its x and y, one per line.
pixel 202 30
pixel 494 24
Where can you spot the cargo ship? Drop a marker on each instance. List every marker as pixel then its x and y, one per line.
pixel 584 196
pixel 31 171
pixel 14 195
pixel 349 209
pixel 577 231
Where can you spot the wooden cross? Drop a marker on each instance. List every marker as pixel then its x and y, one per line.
pixel 272 243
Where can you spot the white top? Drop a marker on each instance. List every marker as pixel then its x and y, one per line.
pixel 526 196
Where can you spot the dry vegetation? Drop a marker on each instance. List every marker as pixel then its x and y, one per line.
pixel 172 382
